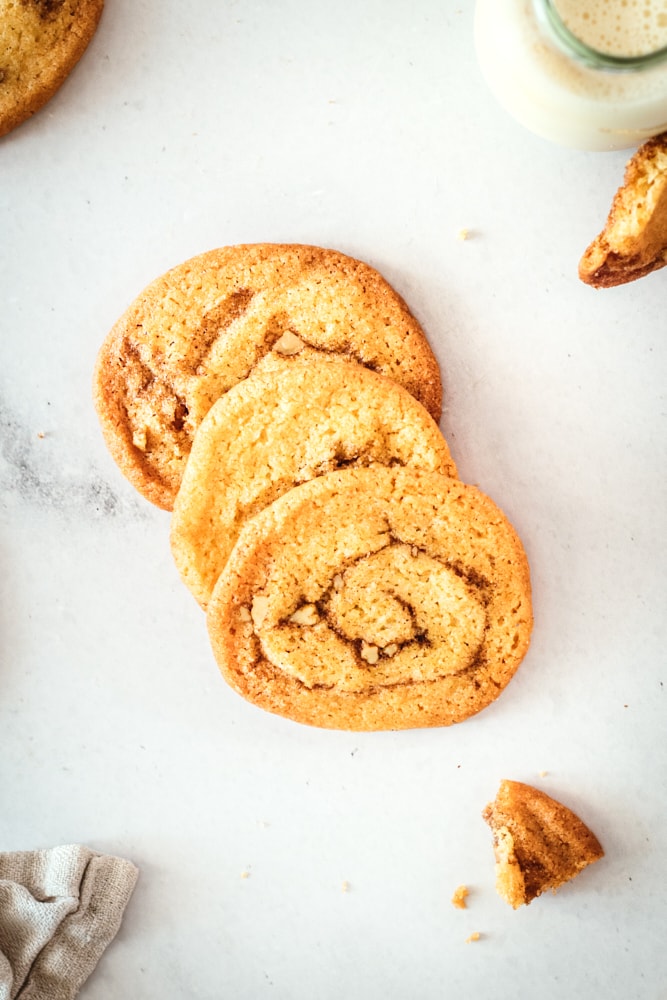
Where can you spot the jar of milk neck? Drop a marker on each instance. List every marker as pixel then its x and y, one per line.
pixel 585 73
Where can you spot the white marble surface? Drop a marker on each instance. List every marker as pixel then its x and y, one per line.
pixel 366 127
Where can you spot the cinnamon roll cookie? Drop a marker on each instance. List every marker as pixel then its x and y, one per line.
pixel 40 43
pixel 291 420
pixel 201 328
pixel 373 598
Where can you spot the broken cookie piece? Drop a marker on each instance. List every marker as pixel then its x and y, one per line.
pixel 539 843
pixel 634 240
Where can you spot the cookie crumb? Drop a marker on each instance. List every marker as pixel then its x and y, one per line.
pixel 245 874
pixel 475 936
pixel 345 886
pixel 543 774
pixel 40 434
pixel 459 897
pixel 463 234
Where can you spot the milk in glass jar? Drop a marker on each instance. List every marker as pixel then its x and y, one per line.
pixel 591 74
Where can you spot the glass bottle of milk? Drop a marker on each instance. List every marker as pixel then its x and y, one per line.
pixel 591 74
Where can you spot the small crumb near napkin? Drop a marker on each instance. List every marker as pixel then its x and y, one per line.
pixel 59 910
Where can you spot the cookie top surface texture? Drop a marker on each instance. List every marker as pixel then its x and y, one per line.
pixel 374 599
pixel 634 240
pixel 40 43
pixel 293 419
pixel 202 328
pixel 538 842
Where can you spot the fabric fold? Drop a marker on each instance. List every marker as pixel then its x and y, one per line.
pixel 59 911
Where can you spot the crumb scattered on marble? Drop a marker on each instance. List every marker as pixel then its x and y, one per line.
pixel 345 886
pixel 245 874
pixel 463 234
pixel 41 435
pixel 543 774
pixel 475 936
pixel 459 897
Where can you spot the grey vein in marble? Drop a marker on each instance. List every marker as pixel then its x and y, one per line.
pixel 29 472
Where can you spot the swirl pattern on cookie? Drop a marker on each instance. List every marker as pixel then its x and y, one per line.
pixel 40 43
pixel 201 328
pixel 291 420
pixel 374 599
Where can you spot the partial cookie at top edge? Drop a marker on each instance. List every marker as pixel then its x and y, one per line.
pixel 373 599
pixel 203 326
pixel 292 419
pixel 40 43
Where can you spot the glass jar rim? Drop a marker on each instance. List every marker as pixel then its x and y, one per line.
pixel 572 45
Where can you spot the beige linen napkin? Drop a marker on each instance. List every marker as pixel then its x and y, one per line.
pixel 59 909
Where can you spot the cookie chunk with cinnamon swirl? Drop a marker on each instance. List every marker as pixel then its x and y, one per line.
pixel 374 598
pixel 203 327
pixel 293 419
pixel 539 843
pixel 633 242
